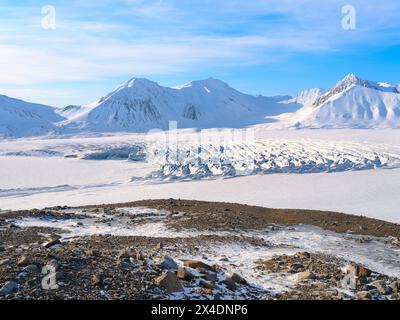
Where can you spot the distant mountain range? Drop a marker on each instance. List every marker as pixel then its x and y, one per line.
pixel 140 105
pixel 351 103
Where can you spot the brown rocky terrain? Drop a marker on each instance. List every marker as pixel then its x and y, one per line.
pixel 92 264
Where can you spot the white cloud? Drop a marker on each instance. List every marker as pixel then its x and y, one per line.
pixel 85 48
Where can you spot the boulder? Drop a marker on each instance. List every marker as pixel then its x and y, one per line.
pixel 296 267
pixel 358 270
pixel 169 281
pixel 168 263
pixel 4 261
pixel 303 255
pixel 9 288
pixel 238 278
pixel 52 243
pixel 195 264
pixel 305 275
pixel 364 295
pixel 229 283
pixel 210 276
pixel 159 245
pixel 97 280
pixel 206 284
pixel 381 286
pixel 24 261
pixel 93 253
pixel 395 286
pixel 137 255
pixel 32 268
pixel 185 274
pixel 123 253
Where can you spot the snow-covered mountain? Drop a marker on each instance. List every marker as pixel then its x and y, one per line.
pixel 351 103
pixel 19 118
pixel 141 104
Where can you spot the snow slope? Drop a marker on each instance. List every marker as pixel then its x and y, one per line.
pixel 306 97
pixel 352 103
pixel 19 118
pixel 140 105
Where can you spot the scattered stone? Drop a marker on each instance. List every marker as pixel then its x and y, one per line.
pixel 4 262
pixel 97 280
pixel 32 268
pixel 185 274
pixel 206 284
pixel 122 254
pixel 396 296
pixel 159 246
pixel 127 265
pixel 138 256
pixel 195 264
pixel 358 270
pixel 24 261
pixel 230 284
pixel 295 267
pixel 169 281
pixel 86 261
pixel 305 275
pixel 303 255
pixel 93 253
pixel 374 293
pixel 210 276
pixel 128 253
pixel 395 285
pixel 364 295
pixel 52 243
pixel 21 275
pixel 168 263
pixel 349 282
pixel 237 278
pixel 107 282
pixel 381 286
pixel 10 287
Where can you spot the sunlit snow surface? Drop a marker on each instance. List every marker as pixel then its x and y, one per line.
pixel 374 254
pixel 339 170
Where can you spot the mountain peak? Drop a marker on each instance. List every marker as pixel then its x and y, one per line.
pixel 210 83
pixel 351 77
pixel 138 82
pixel 213 81
pixel 132 86
pixel 350 80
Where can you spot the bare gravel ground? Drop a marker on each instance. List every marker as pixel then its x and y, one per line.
pixel 106 266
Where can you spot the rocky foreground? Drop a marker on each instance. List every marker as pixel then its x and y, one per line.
pixel 175 249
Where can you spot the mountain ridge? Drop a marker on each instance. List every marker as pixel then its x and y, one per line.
pixel 351 103
pixel 20 118
pixel 139 105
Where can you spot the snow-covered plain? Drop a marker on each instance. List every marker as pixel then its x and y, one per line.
pixel 352 171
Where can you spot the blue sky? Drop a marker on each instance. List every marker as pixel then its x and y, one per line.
pixel 261 46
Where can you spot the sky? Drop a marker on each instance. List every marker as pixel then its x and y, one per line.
pixel 73 52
